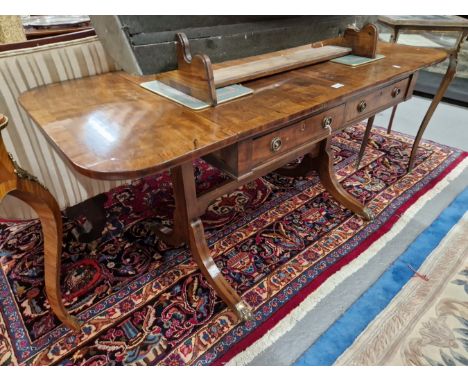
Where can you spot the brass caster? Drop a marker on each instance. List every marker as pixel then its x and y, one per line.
pixel 243 312
pixel 367 214
pixel 73 324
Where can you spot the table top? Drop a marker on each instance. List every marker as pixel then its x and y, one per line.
pixel 425 21
pixel 108 127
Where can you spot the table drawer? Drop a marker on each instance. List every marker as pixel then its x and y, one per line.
pixel 376 100
pixel 279 142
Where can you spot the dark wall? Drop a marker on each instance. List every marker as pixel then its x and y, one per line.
pixel 152 38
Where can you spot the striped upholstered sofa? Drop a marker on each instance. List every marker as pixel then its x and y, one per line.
pixel 28 68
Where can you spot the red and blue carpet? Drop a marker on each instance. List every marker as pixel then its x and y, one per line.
pixel 141 302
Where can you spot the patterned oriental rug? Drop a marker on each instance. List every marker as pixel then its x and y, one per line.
pixel 141 302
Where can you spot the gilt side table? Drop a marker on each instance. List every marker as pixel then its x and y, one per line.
pixel 457 30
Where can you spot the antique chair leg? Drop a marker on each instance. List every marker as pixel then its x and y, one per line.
pixel 365 139
pixel 51 221
pixel 448 77
pixel 189 227
pixel 324 165
pixel 19 183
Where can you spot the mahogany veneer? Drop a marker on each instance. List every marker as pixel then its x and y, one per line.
pixel 108 127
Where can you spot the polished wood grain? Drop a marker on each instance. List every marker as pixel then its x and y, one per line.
pixel 194 75
pixel 15 182
pixel 117 130
pixel 368 104
pixel 197 77
pixel 273 63
pixel 108 127
pixel 235 160
pixel 362 42
pixel 295 135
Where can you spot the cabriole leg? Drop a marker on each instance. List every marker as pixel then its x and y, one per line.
pixel 16 181
pixel 48 211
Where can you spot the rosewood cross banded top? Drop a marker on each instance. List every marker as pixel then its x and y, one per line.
pixel 108 127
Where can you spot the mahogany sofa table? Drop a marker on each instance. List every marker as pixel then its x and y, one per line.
pixel 108 127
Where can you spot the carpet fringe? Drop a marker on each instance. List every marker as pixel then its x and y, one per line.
pixel 290 320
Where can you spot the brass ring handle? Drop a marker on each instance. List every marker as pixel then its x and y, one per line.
pixel 362 106
pixel 326 123
pixel 396 92
pixel 276 144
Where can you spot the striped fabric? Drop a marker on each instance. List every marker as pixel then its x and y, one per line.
pixel 25 69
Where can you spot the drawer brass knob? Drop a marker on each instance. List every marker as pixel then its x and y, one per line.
pixel 276 144
pixel 396 92
pixel 326 123
pixel 362 106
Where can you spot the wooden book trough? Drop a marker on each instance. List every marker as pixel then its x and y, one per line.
pixel 199 78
